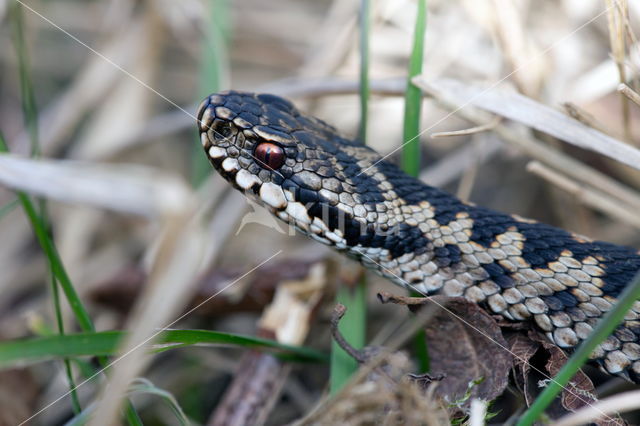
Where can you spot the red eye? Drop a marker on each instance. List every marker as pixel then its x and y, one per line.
pixel 269 155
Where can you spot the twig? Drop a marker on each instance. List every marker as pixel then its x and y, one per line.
pixel 629 93
pixel 338 313
pixel 256 387
pixel 326 404
pixel 469 176
pixel 470 131
pixel 585 118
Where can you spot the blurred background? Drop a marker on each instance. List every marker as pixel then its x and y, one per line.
pixel 118 81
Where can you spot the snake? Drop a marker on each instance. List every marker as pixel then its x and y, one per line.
pixel 344 194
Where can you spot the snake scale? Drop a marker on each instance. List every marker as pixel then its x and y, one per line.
pixel 344 194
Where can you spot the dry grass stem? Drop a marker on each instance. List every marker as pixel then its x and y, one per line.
pixel 537 149
pixel 617 19
pixel 128 102
pixel 470 131
pixel 127 189
pixel 594 199
pixel 585 117
pixel 171 284
pixel 629 93
pixel 468 178
pixel 536 116
pixel 519 47
pixel 88 88
pixel 453 165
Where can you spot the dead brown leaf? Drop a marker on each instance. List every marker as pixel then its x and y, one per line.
pixel 465 344
pixel 580 391
pixel 522 348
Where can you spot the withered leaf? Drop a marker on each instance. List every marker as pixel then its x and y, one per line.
pixel 580 391
pixel 465 344
pixel 522 348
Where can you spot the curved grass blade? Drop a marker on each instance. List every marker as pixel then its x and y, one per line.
pixel 20 352
pixel 145 386
pixel 30 112
pixel 411 129
pixel 214 66
pixel 413 97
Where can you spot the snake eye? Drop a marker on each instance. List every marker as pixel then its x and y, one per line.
pixel 269 155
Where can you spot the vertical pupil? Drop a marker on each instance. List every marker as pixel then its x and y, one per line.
pixel 267 155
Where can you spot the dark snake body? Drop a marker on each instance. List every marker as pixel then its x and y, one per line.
pixel 343 194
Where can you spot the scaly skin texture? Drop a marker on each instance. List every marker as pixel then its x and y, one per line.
pixel 343 194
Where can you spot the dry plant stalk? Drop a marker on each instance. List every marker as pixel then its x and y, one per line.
pixel 618 19
pixel 629 93
pixel 451 95
pixel 171 284
pixel 470 131
pixel 587 195
pixel 532 114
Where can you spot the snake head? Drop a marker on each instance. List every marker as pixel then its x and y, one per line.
pixel 296 165
pixel 247 138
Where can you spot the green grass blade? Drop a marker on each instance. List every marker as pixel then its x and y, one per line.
pixel 75 402
pixel 354 325
pixel 130 413
pixel 52 255
pixel 145 386
pixel 603 329
pixel 82 418
pixel 30 112
pixel 8 208
pixel 413 97
pixel 212 67
pixel 139 386
pixel 411 148
pixel 365 27
pixel 105 343
pixel 16 352
pixel 192 337
pixel 81 314
pixel 26 87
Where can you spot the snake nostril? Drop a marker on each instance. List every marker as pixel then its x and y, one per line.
pixel 222 130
